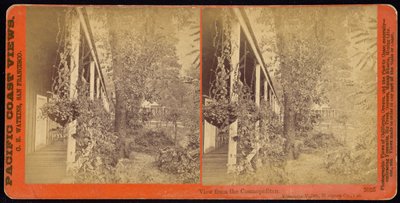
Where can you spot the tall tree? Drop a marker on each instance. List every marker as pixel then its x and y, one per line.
pixel 141 41
pixel 303 46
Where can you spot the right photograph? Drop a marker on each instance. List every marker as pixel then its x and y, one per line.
pixel 289 95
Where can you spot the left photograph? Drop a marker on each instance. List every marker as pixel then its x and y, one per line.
pixel 112 95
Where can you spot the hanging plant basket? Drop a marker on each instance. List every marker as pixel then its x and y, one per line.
pixel 61 111
pixel 220 115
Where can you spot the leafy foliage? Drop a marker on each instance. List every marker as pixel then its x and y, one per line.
pixel 145 57
pixel 61 111
pixel 356 164
pixel 268 165
pixel 220 115
pixel 151 141
pixel 60 77
pixel 184 162
pixel 307 47
pixel 321 141
pixel 221 111
pixel 273 142
pixel 324 61
pixel 96 154
pixel 357 100
pixel 265 138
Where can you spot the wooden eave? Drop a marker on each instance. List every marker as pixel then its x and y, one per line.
pixel 247 30
pixel 83 18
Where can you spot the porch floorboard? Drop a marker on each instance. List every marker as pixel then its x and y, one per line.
pixel 214 167
pixel 47 165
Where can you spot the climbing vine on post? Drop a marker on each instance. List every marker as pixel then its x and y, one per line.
pixel 61 108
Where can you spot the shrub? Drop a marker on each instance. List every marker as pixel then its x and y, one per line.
pixel 321 140
pixel 266 175
pixel 151 141
pixel 95 154
pixel 180 161
pixel 358 164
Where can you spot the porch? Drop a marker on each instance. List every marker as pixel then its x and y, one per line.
pixel 246 68
pixel 215 168
pixel 48 150
pixel 48 164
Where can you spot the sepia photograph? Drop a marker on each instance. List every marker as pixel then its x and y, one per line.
pixel 112 95
pixel 289 95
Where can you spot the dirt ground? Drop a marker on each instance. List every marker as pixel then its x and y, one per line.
pixel 141 168
pixel 310 169
pixel 182 133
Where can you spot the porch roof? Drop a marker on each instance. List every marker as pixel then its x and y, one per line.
pixel 83 17
pixel 247 30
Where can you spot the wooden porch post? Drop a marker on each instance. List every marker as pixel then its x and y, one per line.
pixel 74 61
pixel 209 134
pixel 257 125
pixel 273 102
pixel 265 90
pixel 91 80
pixel 104 98
pixel 233 128
pixel 258 84
pixel 97 87
pixel 209 137
pixel 254 152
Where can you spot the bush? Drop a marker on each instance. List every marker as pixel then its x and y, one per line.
pixel 182 162
pixel 359 164
pixel 321 140
pixel 266 175
pixel 151 141
pixel 96 144
pixel 273 147
pixel 270 141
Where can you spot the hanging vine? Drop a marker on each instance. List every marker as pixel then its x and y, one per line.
pixel 61 108
pixel 221 111
pixel 61 68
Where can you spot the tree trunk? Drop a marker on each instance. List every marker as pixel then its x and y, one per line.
pixel 121 124
pixel 289 126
